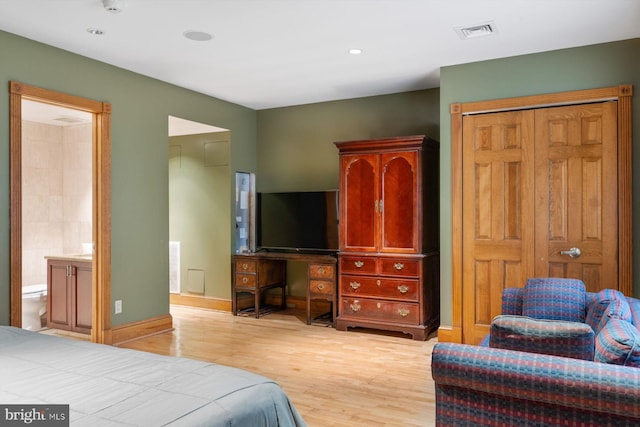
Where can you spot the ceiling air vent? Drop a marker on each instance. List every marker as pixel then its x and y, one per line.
pixel 474 31
pixel 69 119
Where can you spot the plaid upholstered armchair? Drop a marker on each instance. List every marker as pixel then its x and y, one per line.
pixel 557 355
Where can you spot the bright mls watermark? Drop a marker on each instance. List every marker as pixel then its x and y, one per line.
pixel 34 415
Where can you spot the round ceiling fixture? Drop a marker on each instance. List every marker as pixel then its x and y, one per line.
pixel 199 36
pixel 113 6
pixel 95 31
pixel 355 51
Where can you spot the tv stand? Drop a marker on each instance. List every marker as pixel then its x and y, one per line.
pixel 256 273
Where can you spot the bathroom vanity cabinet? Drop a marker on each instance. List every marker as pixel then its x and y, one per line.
pixel 69 293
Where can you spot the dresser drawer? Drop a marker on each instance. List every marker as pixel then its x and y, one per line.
pixel 324 287
pixel 245 280
pixel 358 265
pixel 400 289
pixel 400 267
pixel 322 271
pixel 387 311
pixel 245 266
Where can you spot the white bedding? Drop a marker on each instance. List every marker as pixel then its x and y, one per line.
pixel 108 386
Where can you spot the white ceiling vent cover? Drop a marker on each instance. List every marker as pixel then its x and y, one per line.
pixel 480 30
pixel 69 119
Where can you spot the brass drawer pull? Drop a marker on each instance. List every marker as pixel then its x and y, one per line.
pixel 403 312
pixel 398 265
pixel 403 289
pixel 355 307
pixel 358 264
pixel 245 280
pixel 321 270
pixel 354 285
pixel 245 266
pixel 321 286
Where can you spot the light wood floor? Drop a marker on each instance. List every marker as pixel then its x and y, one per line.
pixel 333 378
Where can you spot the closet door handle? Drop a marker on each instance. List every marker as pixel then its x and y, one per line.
pixel 573 252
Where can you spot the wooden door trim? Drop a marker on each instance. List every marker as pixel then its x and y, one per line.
pixel 622 94
pixel 101 163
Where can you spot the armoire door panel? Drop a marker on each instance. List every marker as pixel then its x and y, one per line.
pixel 398 206
pixel 359 201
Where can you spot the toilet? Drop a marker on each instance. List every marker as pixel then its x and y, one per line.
pixel 34 307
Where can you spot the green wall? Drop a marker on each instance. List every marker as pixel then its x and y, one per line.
pixel 139 169
pixel 602 65
pixel 296 150
pixel 199 206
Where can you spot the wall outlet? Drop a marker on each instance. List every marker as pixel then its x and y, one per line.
pixel 118 308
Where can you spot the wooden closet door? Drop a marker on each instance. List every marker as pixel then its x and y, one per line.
pixel 576 194
pixel 498 220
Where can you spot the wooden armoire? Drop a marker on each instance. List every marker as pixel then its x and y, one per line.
pixel 389 260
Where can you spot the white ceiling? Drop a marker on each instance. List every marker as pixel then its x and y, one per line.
pixel 275 53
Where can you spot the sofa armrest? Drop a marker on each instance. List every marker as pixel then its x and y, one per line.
pixel 549 380
pixel 553 337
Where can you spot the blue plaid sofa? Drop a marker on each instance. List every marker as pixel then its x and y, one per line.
pixel 557 356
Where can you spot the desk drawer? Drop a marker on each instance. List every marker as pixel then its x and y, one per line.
pixel 245 281
pixel 322 271
pixel 321 287
pixel 245 266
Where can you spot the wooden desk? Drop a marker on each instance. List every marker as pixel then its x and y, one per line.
pixel 258 272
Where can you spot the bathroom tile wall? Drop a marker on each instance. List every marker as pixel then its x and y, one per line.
pixel 56 194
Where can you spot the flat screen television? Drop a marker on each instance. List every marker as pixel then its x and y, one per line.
pixel 303 221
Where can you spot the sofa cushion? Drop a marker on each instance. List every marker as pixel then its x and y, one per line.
pixel 554 299
pixel 554 337
pixel 598 304
pixel 618 343
pixel 617 309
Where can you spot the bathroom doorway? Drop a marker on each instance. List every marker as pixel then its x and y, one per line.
pixel 60 205
pixel 199 214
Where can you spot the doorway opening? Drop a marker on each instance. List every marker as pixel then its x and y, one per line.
pixel 94 240
pixel 199 214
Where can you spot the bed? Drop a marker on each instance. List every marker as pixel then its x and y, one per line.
pixel 109 386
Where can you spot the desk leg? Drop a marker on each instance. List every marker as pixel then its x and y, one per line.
pixel 257 302
pixel 283 304
pixel 308 306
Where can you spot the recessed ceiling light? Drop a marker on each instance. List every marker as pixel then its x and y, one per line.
pixel 199 36
pixel 95 31
pixel 480 30
pixel 355 51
